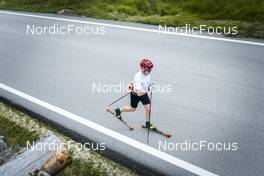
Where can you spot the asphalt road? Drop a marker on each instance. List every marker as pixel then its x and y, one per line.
pixel 217 89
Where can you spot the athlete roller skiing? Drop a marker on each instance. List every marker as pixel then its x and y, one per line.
pixel 139 89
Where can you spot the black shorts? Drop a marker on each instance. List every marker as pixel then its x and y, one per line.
pixel 134 100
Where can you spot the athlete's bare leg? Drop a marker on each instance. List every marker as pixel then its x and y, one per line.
pixel 147 111
pixel 127 109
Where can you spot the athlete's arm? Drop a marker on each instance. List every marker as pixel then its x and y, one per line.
pixel 138 90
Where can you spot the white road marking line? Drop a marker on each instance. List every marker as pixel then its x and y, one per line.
pixel 152 151
pixel 134 28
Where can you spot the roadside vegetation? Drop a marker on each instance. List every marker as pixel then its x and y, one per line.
pixel 247 15
pixel 18 128
pixel 15 134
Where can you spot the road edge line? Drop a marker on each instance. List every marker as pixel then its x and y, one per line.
pixel 134 28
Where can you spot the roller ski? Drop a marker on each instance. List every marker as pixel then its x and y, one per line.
pixel 117 113
pixel 151 127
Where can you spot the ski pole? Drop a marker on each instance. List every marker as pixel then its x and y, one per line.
pixel 119 99
pixel 149 108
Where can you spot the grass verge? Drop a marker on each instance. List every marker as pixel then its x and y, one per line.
pixel 247 16
pixel 15 134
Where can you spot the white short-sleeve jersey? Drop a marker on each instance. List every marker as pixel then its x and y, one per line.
pixel 141 82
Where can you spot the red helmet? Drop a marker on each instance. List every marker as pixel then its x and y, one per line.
pixel 146 65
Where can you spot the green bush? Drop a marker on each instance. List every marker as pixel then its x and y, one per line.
pixel 126 10
pixel 246 10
